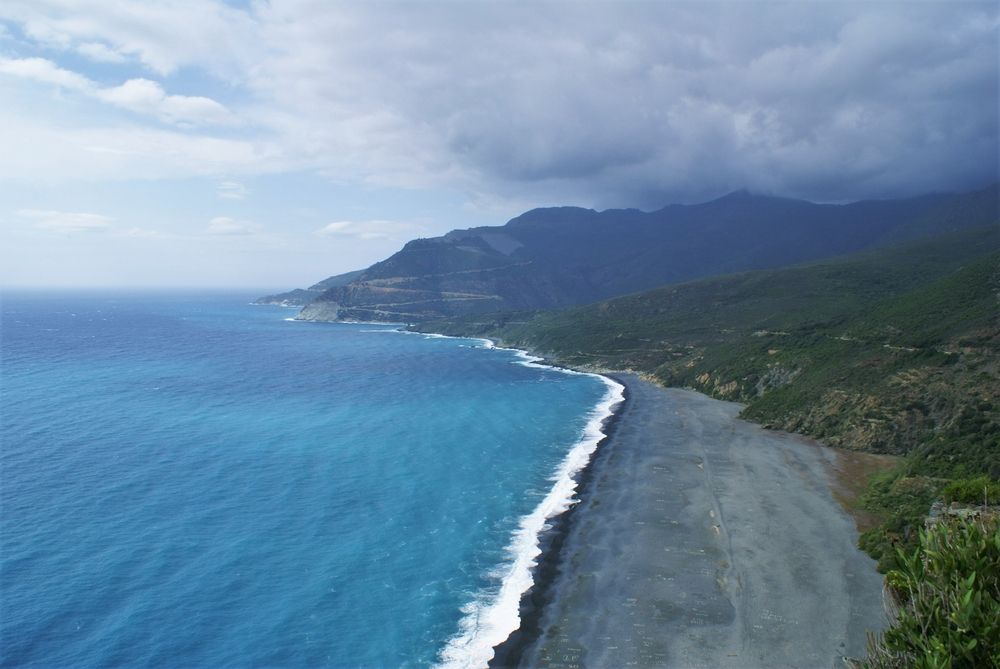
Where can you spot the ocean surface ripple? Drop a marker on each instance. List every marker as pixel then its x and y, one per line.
pixel 188 480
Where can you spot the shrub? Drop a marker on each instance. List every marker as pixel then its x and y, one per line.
pixel 902 502
pixel 977 490
pixel 947 600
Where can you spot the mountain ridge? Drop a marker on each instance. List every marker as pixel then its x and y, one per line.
pixel 556 257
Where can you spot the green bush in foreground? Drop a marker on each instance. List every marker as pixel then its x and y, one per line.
pixel 947 596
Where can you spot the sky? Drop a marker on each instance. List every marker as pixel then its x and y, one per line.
pixel 200 143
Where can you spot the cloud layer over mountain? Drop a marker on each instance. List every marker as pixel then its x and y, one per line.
pixel 596 103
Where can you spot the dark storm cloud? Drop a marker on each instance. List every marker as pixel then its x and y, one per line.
pixel 622 103
pixel 601 103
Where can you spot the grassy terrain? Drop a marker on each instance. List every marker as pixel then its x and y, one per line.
pixel 891 351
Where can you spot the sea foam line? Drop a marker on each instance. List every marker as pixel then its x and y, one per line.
pixel 490 619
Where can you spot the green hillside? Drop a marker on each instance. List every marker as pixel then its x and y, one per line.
pixel 890 351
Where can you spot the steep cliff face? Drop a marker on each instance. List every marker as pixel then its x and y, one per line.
pixel 300 297
pixel 324 312
pixel 558 257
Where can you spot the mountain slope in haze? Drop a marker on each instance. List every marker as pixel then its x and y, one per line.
pixel 892 350
pixel 559 257
pixel 895 350
pixel 300 297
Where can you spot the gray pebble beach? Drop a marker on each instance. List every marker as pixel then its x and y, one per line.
pixel 705 541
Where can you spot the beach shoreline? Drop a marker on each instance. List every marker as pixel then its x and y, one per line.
pixel 489 622
pixel 534 600
pixel 711 604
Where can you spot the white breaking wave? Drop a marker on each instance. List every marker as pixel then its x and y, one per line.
pixel 491 618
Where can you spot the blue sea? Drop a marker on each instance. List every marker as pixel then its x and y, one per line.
pixel 191 481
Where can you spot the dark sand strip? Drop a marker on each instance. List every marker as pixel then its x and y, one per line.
pixel 703 541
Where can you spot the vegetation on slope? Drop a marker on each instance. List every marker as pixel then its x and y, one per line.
pixel 946 596
pixel 892 351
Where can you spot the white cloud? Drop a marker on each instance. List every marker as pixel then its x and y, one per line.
pixel 44 71
pixel 33 149
pixel 148 97
pixel 370 230
pixel 100 52
pixel 223 225
pixel 231 190
pixel 65 221
pixel 142 233
pixel 138 95
pixel 163 36
pixel 135 94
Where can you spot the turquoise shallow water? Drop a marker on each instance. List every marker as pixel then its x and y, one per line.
pixel 188 480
